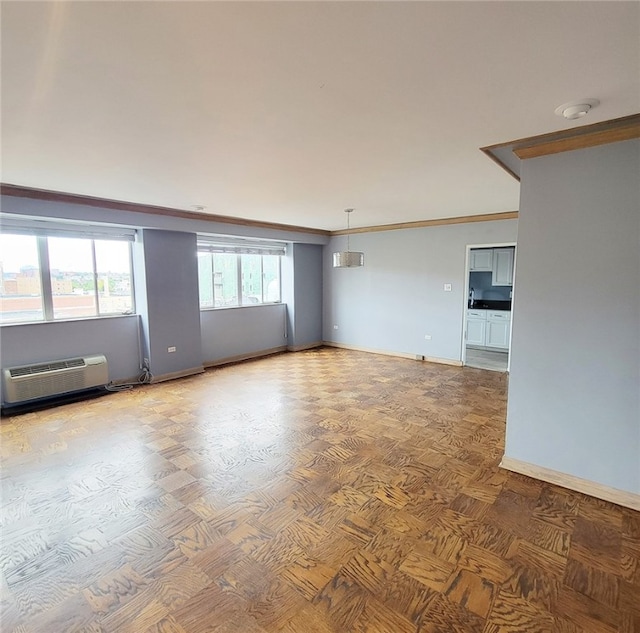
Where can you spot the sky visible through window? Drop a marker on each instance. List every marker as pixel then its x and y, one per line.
pixel 87 278
pixel 17 251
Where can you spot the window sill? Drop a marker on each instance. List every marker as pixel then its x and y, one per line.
pixel 249 305
pixel 75 320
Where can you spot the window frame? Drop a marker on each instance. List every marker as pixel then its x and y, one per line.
pixel 42 231
pixel 238 248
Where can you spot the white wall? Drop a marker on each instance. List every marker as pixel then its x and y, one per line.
pixel 574 389
pixel 397 297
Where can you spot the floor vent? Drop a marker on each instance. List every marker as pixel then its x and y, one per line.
pixel 41 380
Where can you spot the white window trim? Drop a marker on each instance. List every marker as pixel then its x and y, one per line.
pixel 212 247
pixel 42 229
pixel 213 244
pixel 24 225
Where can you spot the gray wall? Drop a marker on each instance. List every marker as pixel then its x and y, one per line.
pixel 100 215
pixel 397 296
pixel 302 292
pixel 115 337
pixel 165 275
pixel 172 304
pixel 574 389
pixel 242 331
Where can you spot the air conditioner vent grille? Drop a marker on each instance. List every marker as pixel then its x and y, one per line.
pixel 28 382
pixel 45 367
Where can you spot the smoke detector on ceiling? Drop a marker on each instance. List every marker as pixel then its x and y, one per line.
pixel 576 109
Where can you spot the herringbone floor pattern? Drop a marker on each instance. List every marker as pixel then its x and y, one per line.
pixel 323 491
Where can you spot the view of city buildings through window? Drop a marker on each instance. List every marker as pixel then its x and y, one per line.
pixel 221 275
pixel 45 278
pixel 86 278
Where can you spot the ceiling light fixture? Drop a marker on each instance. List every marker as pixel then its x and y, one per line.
pixel 348 258
pixel 576 109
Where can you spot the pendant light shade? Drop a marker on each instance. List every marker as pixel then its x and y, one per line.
pixel 348 258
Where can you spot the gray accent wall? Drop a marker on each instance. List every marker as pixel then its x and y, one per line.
pixel 172 305
pixel 238 332
pixel 100 215
pixel 574 388
pixel 398 296
pixel 302 292
pixel 115 337
pixel 166 292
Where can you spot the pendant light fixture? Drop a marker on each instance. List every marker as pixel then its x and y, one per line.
pixel 348 258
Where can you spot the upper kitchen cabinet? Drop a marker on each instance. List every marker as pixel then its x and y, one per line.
pixel 502 270
pixel 481 260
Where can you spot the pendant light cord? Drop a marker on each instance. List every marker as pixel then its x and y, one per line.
pixel 348 212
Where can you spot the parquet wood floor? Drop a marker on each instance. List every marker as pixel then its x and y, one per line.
pixel 317 492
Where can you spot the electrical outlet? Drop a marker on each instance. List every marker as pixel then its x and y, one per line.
pixel 447 287
pixel 427 337
pixel 171 349
pixel 335 327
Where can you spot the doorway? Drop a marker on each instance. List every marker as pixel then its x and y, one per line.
pixel 486 332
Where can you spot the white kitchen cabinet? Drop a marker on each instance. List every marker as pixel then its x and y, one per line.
pixel 498 329
pixel 481 260
pixel 489 328
pixel 476 327
pixel 476 331
pixel 502 271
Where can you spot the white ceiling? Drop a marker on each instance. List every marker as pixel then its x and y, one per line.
pixel 290 112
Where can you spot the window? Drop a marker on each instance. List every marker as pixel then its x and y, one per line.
pixel 271 278
pixel 232 275
pixel 251 270
pixel 73 283
pixel 225 279
pixel 20 285
pixel 57 276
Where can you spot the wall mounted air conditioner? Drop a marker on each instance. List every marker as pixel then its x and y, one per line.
pixel 41 380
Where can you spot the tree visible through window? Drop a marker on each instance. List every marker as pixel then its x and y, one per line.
pixel 237 279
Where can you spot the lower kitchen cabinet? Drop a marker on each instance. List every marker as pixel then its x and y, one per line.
pixel 489 328
pixel 497 334
pixel 476 331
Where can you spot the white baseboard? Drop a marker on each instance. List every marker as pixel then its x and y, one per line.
pixel 368 350
pixel 177 374
pixel 600 491
pixel 443 361
pixel 241 357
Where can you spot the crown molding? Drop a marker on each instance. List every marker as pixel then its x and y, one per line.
pixel 612 131
pixel 18 191
pixel 47 195
pixel 466 219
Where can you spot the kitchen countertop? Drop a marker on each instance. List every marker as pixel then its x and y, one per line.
pixel 490 304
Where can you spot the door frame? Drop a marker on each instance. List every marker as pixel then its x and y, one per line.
pixel 463 338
